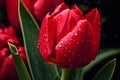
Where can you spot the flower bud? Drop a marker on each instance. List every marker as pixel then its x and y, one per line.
pixel 69 38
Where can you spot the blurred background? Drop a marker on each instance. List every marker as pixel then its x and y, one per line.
pixel 110 28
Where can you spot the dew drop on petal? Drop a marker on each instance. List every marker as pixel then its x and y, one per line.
pixel 76 34
pixel 73 40
pixel 45 50
pixel 78 55
pixel 66 48
pixel 69 60
pixel 79 29
pixel 85 59
pixel 46 39
pixel 59 46
pixel 77 42
pixel 71 64
pixel 82 40
pixel 69 51
pixel 65 39
pixel 65 55
pixel 62 41
pixel 79 23
pixel 72 53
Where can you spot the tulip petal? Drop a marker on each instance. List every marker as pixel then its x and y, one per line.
pixel 8 70
pixel 46 38
pixel 60 8
pixel 65 21
pixel 41 7
pixel 77 10
pixel 94 17
pixel 12 11
pixel 76 48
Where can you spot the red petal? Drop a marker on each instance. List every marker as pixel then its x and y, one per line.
pixel 8 70
pixel 60 8
pixel 65 22
pixel 12 11
pixel 76 48
pixel 94 17
pixel 47 38
pixel 77 10
pixel 41 8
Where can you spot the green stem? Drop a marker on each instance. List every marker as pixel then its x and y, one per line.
pixel 65 74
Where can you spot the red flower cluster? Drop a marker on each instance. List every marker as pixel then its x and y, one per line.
pixel 38 9
pixel 7 67
pixel 68 38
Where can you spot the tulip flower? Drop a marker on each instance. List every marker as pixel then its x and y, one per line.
pixel 12 11
pixel 7 34
pixel 41 7
pixel 7 66
pixel 69 38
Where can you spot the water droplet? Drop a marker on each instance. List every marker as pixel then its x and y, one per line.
pixel 98 2
pixel 65 55
pixel 85 59
pixel 74 40
pixel 59 46
pixel 44 35
pixel 78 55
pixel 72 53
pixel 77 42
pixel 69 51
pixel 65 39
pixel 116 35
pixel 82 40
pixel 46 39
pixel 62 41
pixel 71 64
pixel 49 74
pixel 76 34
pixel 79 23
pixel 69 60
pixel 68 42
pixel 45 50
pixel 104 35
pixel 79 29
pixel 70 39
pixel 66 48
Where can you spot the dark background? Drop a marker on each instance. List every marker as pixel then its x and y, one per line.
pixel 110 28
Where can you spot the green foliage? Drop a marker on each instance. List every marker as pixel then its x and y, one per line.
pixel 30 30
pixel 20 66
pixel 106 72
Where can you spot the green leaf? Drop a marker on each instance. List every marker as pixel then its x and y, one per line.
pixel 30 30
pixel 76 74
pixel 107 71
pixel 71 74
pixel 101 57
pixel 20 66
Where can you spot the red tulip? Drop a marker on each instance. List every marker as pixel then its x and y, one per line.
pixel 7 66
pixel 68 38
pixel 7 34
pixel 41 7
pixel 12 11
